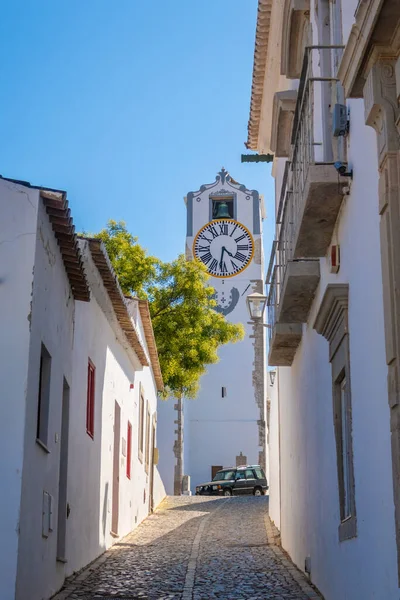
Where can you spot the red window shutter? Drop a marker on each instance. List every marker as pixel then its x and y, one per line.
pixel 129 451
pixel 90 399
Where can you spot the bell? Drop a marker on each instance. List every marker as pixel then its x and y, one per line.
pixel 222 211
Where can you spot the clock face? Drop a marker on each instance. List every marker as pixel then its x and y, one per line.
pixel 225 246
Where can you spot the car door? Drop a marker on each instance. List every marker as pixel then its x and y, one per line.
pixel 250 481
pixel 240 483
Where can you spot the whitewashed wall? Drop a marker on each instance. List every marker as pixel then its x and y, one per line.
pixel 52 323
pixel 274 457
pixel 310 504
pixel 18 210
pixel 72 332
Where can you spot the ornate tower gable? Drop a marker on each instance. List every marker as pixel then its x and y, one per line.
pixel 246 205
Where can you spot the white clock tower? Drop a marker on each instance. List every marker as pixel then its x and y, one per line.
pixel 226 424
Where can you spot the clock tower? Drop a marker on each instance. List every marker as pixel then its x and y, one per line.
pixel 226 423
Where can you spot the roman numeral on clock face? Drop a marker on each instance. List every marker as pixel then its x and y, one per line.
pixel 206 258
pixel 223 228
pixel 240 256
pixel 213 265
pixel 242 247
pixel 240 238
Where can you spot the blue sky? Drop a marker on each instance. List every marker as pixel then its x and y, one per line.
pixel 128 105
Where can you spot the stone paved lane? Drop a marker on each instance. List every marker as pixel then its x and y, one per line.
pixel 195 549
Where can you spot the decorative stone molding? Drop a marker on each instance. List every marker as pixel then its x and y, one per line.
pixel 331 321
pixel 368 31
pixel 296 18
pixel 381 106
pixel 282 121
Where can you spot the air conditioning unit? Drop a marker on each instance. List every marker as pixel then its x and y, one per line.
pixel 340 123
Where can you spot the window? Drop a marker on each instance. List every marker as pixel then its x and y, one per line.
pixel 129 451
pixel 42 425
pixel 332 323
pixel 250 474
pixel 141 427
pixel 223 392
pixel 259 474
pixel 90 398
pixel 147 458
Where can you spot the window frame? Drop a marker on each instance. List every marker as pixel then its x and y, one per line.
pixel 332 323
pixel 43 404
pixel 90 398
pixel 147 446
pixel 129 450
pixel 141 426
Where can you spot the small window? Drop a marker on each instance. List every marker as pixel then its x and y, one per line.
pixel 223 392
pixel 141 427
pixel 90 399
pixel 42 427
pixel 129 451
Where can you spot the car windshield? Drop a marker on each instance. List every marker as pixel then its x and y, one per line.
pixel 224 475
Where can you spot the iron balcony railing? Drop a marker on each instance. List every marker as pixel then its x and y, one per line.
pixel 312 143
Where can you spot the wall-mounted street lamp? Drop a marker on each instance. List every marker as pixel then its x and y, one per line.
pixel 272 375
pixel 256 304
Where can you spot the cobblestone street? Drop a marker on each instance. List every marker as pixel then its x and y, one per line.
pixel 195 548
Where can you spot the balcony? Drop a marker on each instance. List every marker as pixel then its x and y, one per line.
pixel 315 185
pixel 310 201
pixel 284 338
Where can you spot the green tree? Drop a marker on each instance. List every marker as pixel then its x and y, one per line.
pixel 187 329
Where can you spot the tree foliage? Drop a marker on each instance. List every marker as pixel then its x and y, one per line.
pixel 187 329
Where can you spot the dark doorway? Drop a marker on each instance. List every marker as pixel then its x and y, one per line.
pixel 63 475
pixel 115 490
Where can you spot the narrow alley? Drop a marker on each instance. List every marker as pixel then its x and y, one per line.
pixel 195 548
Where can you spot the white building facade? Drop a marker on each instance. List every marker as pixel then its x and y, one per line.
pixel 225 424
pixel 333 433
pixel 81 428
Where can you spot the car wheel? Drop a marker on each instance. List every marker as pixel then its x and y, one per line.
pixel 257 492
pixel 227 492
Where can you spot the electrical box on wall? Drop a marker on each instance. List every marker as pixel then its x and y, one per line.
pixel 335 258
pixel 340 122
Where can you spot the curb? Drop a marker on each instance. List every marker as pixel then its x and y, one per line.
pixel 273 537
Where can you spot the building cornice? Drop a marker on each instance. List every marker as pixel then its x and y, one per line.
pixel 259 66
pixel 117 298
pixel 351 65
pixel 151 343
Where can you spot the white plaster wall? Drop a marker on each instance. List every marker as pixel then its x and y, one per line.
pixel 274 458
pixel 52 320
pixel 159 489
pixel 73 332
pixel 310 505
pixel 91 472
pixel 18 210
pixel 166 437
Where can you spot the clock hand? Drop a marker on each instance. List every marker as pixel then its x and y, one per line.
pixel 222 256
pixel 227 251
